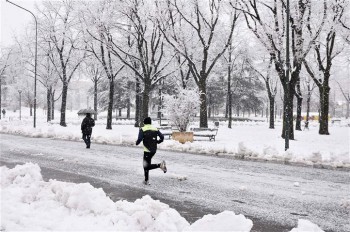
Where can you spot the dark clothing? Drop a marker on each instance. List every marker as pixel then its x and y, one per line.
pixel 87 140
pixel 86 128
pixel 147 164
pixel 87 125
pixel 148 135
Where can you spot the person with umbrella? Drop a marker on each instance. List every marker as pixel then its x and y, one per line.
pixel 86 128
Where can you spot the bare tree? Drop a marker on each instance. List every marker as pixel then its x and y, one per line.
pixel 346 94
pixel 325 52
pixel 4 64
pixel 344 21
pixel 270 31
pixel 97 24
pixel 95 73
pixel 230 58
pixel 184 69
pixel 271 88
pixel 203 20
pixel 147 58
pixel 310 86
pixel 57 22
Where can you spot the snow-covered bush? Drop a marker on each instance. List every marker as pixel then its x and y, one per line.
pixel 182 107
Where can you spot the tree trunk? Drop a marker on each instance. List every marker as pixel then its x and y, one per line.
pixel 298 118
pixel 64 104
pixel 203 116
pixel 288 111
pixel 347 109
pixel 307 109
pixel 209 106
pixel 229 109
pixel 160 103
pixel 272 113
pixel 120 112
pixel 53 105
pixel 324 110
pixel 31 109
pixel 110 104
pixel 128 104
pixel 226 105
pixel 128 108
pixel 145 101
pixel 137 103
pixel 48 102
pixel 95 99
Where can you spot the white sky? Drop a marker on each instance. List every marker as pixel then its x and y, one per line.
pixel 13 19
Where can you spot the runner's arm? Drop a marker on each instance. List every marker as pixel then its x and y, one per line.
pixel 161 136
pixel 140 137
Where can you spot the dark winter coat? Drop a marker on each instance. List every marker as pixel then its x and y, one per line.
pixel 87 125
pixel 148 135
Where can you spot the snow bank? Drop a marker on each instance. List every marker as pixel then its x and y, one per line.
pixel 305 225
pixel 29 203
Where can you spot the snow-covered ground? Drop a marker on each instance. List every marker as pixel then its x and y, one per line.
pixel 246 140
pixel 30 203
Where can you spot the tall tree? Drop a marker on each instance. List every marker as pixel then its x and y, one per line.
pixel 325 52
pixel 98 23
pixel 346 95
pixel 271 88
pixel 95 73
pixel 57 22
pixel 148 58
pixel 267 22
pixel 4 64
pixel 202 20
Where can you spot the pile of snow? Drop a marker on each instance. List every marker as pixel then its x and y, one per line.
pixel 306 226
pixel 29 203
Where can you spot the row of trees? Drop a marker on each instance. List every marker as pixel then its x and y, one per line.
pixel 136 46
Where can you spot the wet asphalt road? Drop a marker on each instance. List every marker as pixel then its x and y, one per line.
pixel 15 150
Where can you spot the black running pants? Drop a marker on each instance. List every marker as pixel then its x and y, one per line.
pixel 147 163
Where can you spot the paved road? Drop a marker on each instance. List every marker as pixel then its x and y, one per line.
pixel 274 196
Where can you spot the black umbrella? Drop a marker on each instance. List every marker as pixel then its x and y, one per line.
pixel 87 111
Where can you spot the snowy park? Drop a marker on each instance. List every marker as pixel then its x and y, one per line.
pixel 83 207
pixel 175 115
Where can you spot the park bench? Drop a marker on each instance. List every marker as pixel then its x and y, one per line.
pixel 336 120
pixel 205 132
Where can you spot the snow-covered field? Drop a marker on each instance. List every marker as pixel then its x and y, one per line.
pixel 246 140
pixel 29 203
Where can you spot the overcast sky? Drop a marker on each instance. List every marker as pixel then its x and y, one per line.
pixel 14 19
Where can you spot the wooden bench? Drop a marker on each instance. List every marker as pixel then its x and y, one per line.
pixel 205 132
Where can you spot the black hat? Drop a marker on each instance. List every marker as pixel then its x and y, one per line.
pixel 147 120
